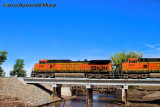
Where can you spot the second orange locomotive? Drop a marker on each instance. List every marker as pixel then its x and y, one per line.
pixel 141 67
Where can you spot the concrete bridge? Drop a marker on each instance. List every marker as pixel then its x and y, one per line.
pixel 89 83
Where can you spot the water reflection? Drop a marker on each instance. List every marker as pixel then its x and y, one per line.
pixel 99 100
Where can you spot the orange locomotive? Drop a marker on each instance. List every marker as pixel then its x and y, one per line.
pixel 141 67
pixel 68 68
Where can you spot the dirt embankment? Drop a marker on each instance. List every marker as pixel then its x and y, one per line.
pixel 144 93
pixel 144 96
pixel 14 93
pixel 7 101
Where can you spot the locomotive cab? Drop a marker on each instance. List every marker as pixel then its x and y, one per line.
pixel 42 61
pixel 130 65
pixel 132 60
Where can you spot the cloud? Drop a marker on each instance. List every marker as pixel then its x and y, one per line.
pixel 153 52
pixel 150 55
pixel 153 46
pixel 157 45
pixel 150 46
pixel 158 49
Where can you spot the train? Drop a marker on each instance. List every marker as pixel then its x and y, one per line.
pixel 132 68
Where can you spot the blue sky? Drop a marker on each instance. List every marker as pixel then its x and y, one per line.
pixel 78 29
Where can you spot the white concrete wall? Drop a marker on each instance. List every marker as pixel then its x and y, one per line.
pixel 66 91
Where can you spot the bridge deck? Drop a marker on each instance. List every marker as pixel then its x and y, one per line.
pixel 86 81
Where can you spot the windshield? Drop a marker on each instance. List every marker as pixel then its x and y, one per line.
pixel 42 62
pixel 133 61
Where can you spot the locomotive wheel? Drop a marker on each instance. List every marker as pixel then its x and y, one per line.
pixel 134 76
pixel 144 76
pixel 125 76
pixel 98 76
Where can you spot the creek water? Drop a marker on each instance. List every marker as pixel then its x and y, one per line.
pixel 99 100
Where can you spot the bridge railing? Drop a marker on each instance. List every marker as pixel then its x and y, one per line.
pixel 112 76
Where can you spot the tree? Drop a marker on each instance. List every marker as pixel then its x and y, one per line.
pixel 3 57
pixel 122 57
pixel 18 69
pixel 134 54
pixel 2 73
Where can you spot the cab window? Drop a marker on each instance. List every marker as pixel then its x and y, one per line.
pixel 42 62
pixel 132 61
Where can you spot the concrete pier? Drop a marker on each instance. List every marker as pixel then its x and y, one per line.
pixel 56 90
pixel 125 96
pixel 89 93
pixel 121 93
